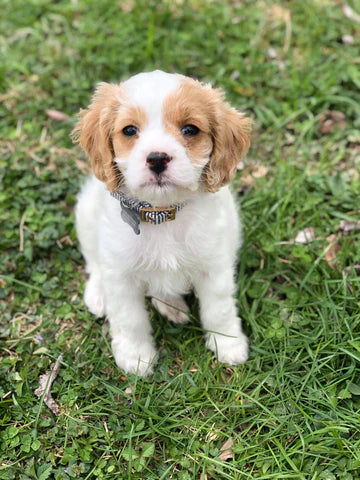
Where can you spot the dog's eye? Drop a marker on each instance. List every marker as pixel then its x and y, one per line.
pixel 190 130
pixel 130 131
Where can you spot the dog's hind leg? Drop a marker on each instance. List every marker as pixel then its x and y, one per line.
pixel 174 308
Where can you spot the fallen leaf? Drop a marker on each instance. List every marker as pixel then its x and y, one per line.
pixel 260 171
pixel 226 450
pixel 235 75
pixel 329 119
pixel 349 13
pixel 272 53
pixel 331 250
pixel 289 138
pixel 305 236
pixel 347 226
pixel 56 115
pixel 45 382
pixel 350 268
pixel 347 39
pixel 127 6
pixel 246 92
pixel 240 165
pixel 277 12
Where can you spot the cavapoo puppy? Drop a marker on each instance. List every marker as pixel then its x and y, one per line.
pixel 157 218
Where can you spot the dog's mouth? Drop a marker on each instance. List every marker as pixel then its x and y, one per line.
pixel 159 181
pixel 164 183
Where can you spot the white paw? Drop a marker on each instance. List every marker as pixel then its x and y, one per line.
pixel 94 297
pixel 175 312
pixel 134 358
pixel 231 350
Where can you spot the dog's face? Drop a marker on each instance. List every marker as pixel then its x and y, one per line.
pixel 164 136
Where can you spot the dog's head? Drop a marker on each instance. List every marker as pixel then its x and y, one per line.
pixel 163 135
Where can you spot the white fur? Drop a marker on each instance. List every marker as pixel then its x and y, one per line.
pixel 196 251
pixel 149 90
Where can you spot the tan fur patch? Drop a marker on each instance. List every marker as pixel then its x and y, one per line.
pixel 224 132
pixel 188 106
pixel 128 115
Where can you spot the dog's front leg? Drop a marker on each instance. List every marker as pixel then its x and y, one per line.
pixel 130 328
pixel 219 317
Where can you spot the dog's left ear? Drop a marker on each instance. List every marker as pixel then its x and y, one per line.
pixel 94 130
pixel 231 138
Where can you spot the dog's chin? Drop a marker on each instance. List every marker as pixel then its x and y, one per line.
pixel 164 192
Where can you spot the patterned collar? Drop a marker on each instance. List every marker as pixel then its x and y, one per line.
pixel 133 211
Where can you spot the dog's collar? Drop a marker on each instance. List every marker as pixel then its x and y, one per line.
pixel 133 211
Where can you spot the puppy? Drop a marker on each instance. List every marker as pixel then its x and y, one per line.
pixel 158 219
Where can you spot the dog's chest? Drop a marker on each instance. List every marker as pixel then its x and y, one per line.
pixel 163 249
pixel 165 261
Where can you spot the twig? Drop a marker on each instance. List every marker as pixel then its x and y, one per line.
pixel 21 231
pixel 287 19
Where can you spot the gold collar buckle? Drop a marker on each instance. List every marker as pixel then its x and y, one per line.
pixel 169 211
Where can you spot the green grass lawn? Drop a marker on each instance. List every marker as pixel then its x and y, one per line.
pixel 293 410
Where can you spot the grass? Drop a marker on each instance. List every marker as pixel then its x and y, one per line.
pixel 293 410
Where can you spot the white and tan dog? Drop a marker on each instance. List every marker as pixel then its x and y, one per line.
pixel 166 146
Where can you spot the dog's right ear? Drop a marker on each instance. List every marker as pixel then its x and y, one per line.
pixel 231 140
pixel 94 133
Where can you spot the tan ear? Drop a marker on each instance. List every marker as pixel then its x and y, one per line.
pixel 94 131
pixel 231 137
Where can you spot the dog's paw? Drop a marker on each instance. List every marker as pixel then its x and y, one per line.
pixel 94 297
pixel 174 309
pixel 138 359
pixel 230 350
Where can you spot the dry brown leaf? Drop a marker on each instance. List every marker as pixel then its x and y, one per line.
pixel 329 119
pixel 56 115
pixel 331 250
pixel 246 92
pixel 347 226
pixel 45 382
pixel 253 172
pixel 127 6
pixel 261 171
pixel 277 12
pixel 226 450
pixel 305 236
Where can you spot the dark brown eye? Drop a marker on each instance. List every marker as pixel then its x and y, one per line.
pixel 190 130
pixel 130 131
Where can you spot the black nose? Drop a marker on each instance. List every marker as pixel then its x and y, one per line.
pixel 158 161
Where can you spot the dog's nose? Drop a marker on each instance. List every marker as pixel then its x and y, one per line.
pixel 157 161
